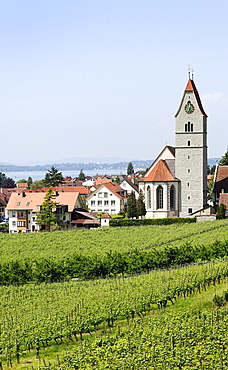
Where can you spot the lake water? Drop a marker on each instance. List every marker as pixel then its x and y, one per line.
pixel 39 175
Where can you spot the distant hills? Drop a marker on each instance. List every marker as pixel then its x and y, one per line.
pixel 96 166
pixel 138 165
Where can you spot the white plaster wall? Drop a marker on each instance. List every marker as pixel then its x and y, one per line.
pixel 191 161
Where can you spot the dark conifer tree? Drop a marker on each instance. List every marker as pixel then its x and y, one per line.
pixel 130 169
pixel 131 206
pixel 140 204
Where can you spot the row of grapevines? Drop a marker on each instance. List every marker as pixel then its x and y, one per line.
pixel 27 247
pixel 36 315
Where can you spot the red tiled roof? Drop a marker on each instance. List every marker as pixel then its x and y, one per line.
pixel 192 87
pixel 160 172
pixel 221 179
pixel 66 189
pixel 106 215
pixel 33 201
pixel 86 221
pixel 101 181
pixel 114 187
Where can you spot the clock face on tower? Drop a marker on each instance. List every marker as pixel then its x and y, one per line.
pixel 189 107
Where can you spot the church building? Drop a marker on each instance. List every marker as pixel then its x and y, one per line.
pixel 176 183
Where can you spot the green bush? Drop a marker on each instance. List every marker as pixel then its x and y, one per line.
pixel 151 221
pixel 221 213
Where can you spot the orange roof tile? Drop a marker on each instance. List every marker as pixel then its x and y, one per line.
pixel 192 87
pixel 33 201
pixel 221 180
pixel 102 181
pixel 160 172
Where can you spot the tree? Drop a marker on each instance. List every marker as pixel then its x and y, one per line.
pixel 140 204
pixel 131 206
pixel 38 184
pixel 221 213
pixel 21 181
pixel 29 181
pixel 117 180
pixel 6 182
pixel 130 169
pixel 224 160
pixel 46 216
pixel 81 176
pixel 53 177
pixel 210 188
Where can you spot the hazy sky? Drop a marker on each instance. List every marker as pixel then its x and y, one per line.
pixel 100 78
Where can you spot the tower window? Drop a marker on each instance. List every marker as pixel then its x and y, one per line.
pixel 190 210
pixel 189 143
pixel 188 156
pixel 188 183
pixel 189 127
pixel 189 170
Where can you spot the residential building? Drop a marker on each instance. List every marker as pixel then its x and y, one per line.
pixel 108 197
pixel 220 184
pixel 23 207
pixel 130 184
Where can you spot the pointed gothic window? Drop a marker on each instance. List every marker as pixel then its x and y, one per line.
pixel 159 196
pixel 172 197
pixel 148 197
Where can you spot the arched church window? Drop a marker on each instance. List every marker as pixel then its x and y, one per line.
pixel 159 196
pixel 172 197
pixel 148 197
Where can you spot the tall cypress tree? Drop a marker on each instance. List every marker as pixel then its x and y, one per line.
pixel 130 169
pixel 140 204
pixel 131 206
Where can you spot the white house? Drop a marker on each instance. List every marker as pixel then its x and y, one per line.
pixel 130 184
pixel 108 197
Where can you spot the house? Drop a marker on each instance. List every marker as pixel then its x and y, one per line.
pixel 108 197
pixel 105 220
pixel 4 198
pixel 220 184
pixel 23 207
pixel 84 219
pixel 130 184
pixel 176 183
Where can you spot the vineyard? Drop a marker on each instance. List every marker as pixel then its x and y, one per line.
pixel 123 321
pixel 94 253
pixel 36 316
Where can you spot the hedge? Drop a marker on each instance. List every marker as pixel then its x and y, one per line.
pixel 151 221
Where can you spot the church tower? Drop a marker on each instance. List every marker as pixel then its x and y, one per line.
pixel 191 151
